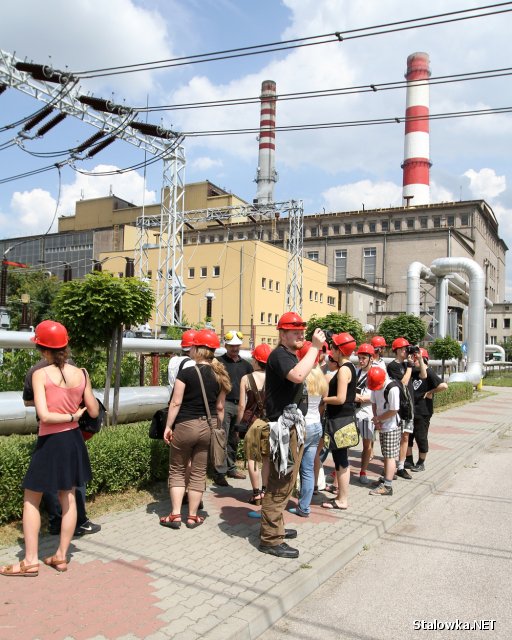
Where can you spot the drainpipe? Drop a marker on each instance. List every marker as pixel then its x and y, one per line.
pixel 442 306
pixel 476 312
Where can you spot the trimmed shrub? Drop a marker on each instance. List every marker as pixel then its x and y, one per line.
pixel 457 392
pixel 121 457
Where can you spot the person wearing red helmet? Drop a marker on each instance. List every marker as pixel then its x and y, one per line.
pixel 251 406
pixel 179 362
pixel 365 354
pixel 187 431
pixel 237 367
pixel 400 369
pixel 60 461
pixel 285 396
pixel 385 420
pixel 379 344
pixel 424 389
pixel 340 403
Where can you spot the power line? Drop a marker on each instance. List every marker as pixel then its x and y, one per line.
pixel 295 43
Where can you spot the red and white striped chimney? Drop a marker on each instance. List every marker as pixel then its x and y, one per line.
pixel 416 165
pixel 266 175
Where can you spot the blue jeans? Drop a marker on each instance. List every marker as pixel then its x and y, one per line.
pixel 307 466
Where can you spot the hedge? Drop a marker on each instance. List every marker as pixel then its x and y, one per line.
pixel 457 392
pixel 121 457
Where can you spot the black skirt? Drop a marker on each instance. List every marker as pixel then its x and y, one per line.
pixel 60 462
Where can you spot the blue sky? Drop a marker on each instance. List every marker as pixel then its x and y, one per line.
pixel 336 169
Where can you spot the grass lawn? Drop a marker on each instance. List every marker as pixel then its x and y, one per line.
pixel 502 380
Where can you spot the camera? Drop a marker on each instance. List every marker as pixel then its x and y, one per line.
pixel 412 350
pixel 328 335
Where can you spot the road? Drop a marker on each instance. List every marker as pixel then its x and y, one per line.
pixel 449 560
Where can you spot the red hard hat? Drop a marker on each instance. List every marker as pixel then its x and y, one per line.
pixel 424 353
pixel 206 338
pixel 51 334
pixel 375 378
pixel 366 350
pixel 399 343
pixel 300 353
pixel 187 338
pixel 291 320
pixel 345 343
pixel 378 341
pixel 261 353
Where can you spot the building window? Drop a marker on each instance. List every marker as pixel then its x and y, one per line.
pixel 280 234
pixel 360 227
pixel 506 323
pixel 270 285
pixel 269 318
pixel 185 240
pixel 313 255
pixel 276 319
pixel 369 264
pixel 311 295
pixel 321 297
pixel 336 229
pixel 348 229
pixel 263 283
pixel 316 296
pixel 278 286
pixel 493 339
pixel 191 272
pixel 494 323
pixel 262 317
pixel 314 232
pixel 464 219
pixel 384 225
pixel 204 272
pixel 450 221
pixel 397 225
pixel 325 230
pixel 423 222
pixel 410 223
pixel 330 300
pixel 437 222
pixel 340 265
pixel 216 271
pixel 221 238
pixel 212 238
pixel 373 227
pixel 202 239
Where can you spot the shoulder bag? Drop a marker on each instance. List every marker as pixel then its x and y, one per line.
pixel 92 425
pixel 218 435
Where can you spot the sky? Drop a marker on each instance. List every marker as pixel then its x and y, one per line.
pixel 329 169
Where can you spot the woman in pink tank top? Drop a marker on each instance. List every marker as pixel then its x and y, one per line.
pixel 60 461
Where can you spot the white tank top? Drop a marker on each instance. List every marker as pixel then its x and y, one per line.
pixel 313 414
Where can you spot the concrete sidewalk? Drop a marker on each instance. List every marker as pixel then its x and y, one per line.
pixel 137 580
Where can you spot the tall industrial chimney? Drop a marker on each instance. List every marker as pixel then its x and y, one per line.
pixel 416 166
pixel 266 175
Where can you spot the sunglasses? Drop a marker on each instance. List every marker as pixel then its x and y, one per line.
pixel 231 334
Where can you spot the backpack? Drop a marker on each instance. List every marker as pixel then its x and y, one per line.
pixel 405 410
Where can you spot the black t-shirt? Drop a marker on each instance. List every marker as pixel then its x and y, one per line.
pixel 236 371
pixel 28 389
pixel 424 406
pixel 349 406
pixel 396 371
pixel 192 405
pixel 280 391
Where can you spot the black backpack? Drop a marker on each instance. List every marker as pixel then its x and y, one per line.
pixel 405 407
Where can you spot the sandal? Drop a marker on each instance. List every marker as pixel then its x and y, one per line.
pixel 172 521
pixel 24 572
pixel 55 563
pixel 196 521
pixel 331 488
pixel 332 504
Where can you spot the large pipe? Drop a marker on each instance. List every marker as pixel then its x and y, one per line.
pixel 442 307
pixel 495 348
pixel 416 272
pixel 476 310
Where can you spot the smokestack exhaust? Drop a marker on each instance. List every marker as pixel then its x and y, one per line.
pixel 416 165
pixel 266 175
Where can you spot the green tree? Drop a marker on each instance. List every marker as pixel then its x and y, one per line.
pixel 445 349
pixel 337 323
pixel 407 326
pixel 15 365
pixel 42 290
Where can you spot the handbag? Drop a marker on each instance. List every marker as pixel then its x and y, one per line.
pixel 88 424
pixel 341 432
pixel 218 435
pixel 256 411
pixel 158 422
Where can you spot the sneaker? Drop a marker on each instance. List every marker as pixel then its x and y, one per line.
pixel 221 481
pixel 382 490
pixel 408 465
pixel 364 480
pixel 419 466
pixel 403 473
pixel 87 528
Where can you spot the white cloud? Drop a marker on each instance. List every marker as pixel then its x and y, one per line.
pixel 204 163
pixel 485 183
pixel 365 193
